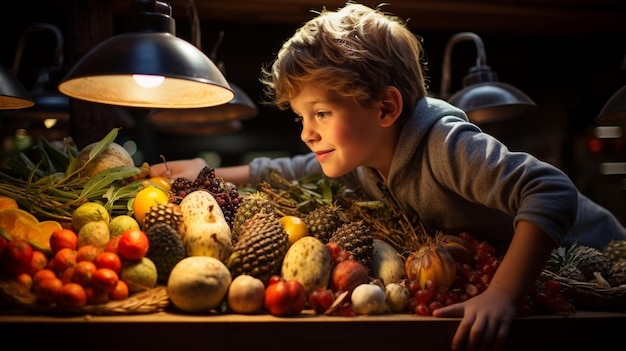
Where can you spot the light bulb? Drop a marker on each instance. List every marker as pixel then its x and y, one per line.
pixel 148 81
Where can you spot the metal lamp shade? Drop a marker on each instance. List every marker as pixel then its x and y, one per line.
pixel 614 111
pixel 12 93
pixel 492 102
pixel 106 74
pixel 239 108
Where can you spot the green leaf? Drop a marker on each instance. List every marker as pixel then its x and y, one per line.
pixel 107 177
pixel 58 159
pixel 103 144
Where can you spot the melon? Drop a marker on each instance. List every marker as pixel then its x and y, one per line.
pixel 198 284
pixel 114 156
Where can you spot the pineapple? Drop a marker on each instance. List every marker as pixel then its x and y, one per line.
pixel 356 238
pixel 166 249
pixel 323 221
pixel 585 258
pixel 169 214
pixel 617 272
pixel 571 271
pixel 252 204
pixel 615 249
pixel 589 260
pixel 260 249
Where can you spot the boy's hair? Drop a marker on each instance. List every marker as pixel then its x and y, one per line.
pixel 356 52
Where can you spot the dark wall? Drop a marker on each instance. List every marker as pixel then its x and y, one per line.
pixel 569 76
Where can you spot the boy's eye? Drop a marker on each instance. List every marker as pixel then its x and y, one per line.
pixel 321 114
pixel 297 119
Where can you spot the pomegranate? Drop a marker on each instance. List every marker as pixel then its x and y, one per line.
pixel 348 274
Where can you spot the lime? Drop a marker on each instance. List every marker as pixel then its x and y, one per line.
pixel 89 212
pixel 120 223
pixel 139 275
pixel 94 233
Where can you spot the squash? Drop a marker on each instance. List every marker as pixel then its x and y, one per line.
pixel 431 262
pixel 387 264
pixel 308 261
pixel 207 232
pixel 460 248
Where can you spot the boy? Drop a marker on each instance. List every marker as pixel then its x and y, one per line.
pixel 355 79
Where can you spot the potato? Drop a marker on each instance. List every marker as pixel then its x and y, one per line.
pixel 387 264
pixel 309 262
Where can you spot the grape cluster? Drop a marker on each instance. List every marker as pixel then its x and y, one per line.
pixel 474 277
pixel 226 195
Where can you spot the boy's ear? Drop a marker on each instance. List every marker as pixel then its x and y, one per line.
pixel 391 106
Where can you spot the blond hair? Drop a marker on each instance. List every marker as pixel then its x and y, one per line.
pixel 356 52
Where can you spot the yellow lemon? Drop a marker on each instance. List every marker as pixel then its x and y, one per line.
pixel 295 227
pixel 145 199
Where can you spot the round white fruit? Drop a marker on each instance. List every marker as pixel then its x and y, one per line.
pixel 246 294
pixel 198 284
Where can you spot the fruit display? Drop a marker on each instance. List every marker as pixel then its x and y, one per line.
pixel 94 241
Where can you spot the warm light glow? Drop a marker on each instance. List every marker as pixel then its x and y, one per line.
pixel 148 81
pixel 49 122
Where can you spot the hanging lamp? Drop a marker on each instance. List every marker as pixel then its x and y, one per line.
pixel 148 67
pixel 483 98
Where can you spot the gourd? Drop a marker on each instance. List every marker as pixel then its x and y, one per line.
pixel 309 262
pixel 207 232
pixel 433 262
pixel 198 284
pixel 387 264
pixel 459 248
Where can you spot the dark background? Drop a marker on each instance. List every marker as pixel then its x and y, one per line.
pixel 566 55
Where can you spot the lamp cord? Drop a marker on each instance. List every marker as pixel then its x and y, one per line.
pixel 58 52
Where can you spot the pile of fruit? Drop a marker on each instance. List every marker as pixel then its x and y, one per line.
pixel 280 248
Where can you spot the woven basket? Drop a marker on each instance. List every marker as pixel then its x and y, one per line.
pixel 15 298
pixel 589 296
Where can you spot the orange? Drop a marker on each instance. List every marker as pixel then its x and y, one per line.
pixel 87 253
pixel 39 262
pixel 72 295
pixel 17 223
pixel 161 183
pixel 64 259
pixel 96 296
pixel 83 272
pixel 66 275
pixel 109 260
pixel 48 289
pixel 105 279
pixel 41 275
pixel 62 238
pixel 145 199
pixel 112 244
pixel 121 291
pixel 7 202
pixel 17 257
pixel 133 244
pixel 39 237
pixel 25 280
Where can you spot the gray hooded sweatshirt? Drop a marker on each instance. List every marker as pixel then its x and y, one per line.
pixel 454 177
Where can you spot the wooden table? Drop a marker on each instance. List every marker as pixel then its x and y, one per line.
pixel 585 330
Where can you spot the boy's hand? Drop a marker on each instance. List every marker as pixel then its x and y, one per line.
pixel 486 321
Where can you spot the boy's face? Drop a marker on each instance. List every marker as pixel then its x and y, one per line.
pixel 342 134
